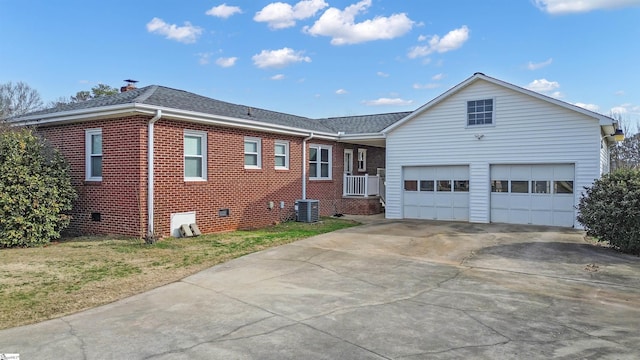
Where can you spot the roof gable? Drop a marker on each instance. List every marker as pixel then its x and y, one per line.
pixel 603 120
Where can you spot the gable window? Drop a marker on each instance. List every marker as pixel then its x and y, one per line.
pixel 93 152
pixel 252 153
pixel 480 112
pixel 195 155
pixel 281 152
pixel 362 159
pixel 319 162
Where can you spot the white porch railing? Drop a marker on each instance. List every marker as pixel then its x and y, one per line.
pixel 361 185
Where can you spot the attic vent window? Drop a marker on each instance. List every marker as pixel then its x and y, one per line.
pixel 480 112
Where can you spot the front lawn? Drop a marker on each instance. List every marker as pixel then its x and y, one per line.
pixel 69 276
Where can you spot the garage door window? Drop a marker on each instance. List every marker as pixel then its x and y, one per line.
pixel 500 186
pixel 563 187
pixel 541 187
pixel 427 185
pixel 411 185
pixel 444 185
pixel 461 185
pixel 518 186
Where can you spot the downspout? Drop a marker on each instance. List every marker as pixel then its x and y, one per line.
pixel 150 174
pixel 304 165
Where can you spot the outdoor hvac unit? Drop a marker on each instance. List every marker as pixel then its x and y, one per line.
pixel 308 211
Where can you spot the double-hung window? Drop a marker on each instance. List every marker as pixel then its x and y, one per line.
pixel 93 152
pixel 362 160
pixel 281 152
pixel 319 162
pixel 480 112
pixel 252 153
pixel 195 155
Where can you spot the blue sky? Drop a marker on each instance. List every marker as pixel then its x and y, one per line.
pixel 321 58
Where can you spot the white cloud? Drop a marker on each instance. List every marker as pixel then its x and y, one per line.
pixel 437 77
pixel 382 74
pixel 540 65
pixel 278 77
pixel 577 6
pixel 591 107
pixel 279 58
pixel 620 93
pixel 543 86
pixel 226 62
pixel 388 101
pixel 425 86
pixel 185 34
pixel 203 58
pixel 453 40
pixel 422 38
pixel 224 11
pixel 340 25
pixel 341 91
pixel 279 15
pixel 619 110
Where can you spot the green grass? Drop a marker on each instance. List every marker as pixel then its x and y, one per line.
pixel 76 274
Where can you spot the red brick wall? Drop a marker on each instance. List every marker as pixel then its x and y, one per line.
pixel 120 197
pixel 361 206
pixel 245 192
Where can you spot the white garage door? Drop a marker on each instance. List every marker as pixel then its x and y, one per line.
pixel 436 192
pixel 533 194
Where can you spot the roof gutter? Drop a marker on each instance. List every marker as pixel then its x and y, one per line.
pixel 184 115
pixel 304 164
pixel 150 173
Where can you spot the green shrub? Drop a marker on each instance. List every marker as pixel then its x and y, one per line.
pixel 610 210
pixel 35 189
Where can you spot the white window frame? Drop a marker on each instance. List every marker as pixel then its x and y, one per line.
pixel 493 112
pixel 348 161
pixel 285 155
pixel 362 160
pixel 258 152
pixel 203 158
pixel 319 163
pixel 88 139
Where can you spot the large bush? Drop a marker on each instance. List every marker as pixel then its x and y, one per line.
pixel 35 189
pixel 610 210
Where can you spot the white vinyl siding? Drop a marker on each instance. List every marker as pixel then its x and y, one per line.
pixel 530 131
pixel 93 152
pixel 195 155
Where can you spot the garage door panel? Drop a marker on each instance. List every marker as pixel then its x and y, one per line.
pixel 563 202
pixel 540 217
pixel 437 200
pixel 428 213
pixel 541 202
pixel 443 213
pixel 411 212
pixel 540 205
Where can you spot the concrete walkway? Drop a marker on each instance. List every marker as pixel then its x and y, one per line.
pixel 384 290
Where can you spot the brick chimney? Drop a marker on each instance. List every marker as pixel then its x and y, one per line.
pixel 131 85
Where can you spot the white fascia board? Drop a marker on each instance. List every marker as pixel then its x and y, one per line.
pixel 79 115
pixel 83 115
pixel 367 136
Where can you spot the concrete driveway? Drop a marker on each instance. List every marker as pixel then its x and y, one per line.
pixel 385 290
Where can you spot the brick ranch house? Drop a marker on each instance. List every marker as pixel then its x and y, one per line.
pixel 148 159
pixel 222 165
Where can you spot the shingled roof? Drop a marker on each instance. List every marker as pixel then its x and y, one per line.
pixel 165 97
